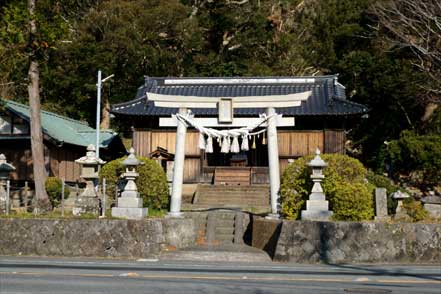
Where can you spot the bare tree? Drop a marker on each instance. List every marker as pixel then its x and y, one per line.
pixel 42 200
pixel 416 24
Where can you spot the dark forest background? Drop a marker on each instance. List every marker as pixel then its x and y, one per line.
pixel 387 53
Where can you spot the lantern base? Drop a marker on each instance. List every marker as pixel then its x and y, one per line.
pixel 316 215
pixel 129 212
pixel 86 204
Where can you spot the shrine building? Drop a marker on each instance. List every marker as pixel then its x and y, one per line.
pixel 239 131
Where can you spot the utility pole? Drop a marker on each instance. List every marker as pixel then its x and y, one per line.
pixel 98 110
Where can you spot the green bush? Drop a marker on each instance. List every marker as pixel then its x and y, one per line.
pixel 417 155
pixel 294 188
pixel 152 181
pixel 53 187
pixel 415 210
pixel 348 193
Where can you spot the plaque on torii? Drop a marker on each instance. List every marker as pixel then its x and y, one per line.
pixel 226 106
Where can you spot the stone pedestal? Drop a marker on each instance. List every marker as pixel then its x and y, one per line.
pixel 381 204
pixel 317 207
pixel 432 204
pixel 5 171
pixel 129 205
pixel 3 196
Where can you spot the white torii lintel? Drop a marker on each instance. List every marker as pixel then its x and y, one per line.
pixel 237 122
pixel 173 101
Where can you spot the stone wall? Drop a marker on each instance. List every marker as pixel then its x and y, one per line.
pixel 94 238
pixel 348 242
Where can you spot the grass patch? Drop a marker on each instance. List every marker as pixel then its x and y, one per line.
pixel 56 214
pixel 156 213
pixel 50 215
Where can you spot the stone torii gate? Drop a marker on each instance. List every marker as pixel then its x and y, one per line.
pixel 269 102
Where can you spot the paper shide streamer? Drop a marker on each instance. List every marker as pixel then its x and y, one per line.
pixel 227 139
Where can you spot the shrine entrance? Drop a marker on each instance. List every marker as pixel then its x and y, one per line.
pixel 243 130
pixel 245 168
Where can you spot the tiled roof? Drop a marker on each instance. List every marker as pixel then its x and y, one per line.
pixel 63 129
pixel 328 95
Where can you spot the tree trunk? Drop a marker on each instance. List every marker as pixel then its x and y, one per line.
pixel 105 113
pixel 42 203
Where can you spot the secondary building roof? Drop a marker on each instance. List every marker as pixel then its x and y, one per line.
pixel 328 95
pixel 63 129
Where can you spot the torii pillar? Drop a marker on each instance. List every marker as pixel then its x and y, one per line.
pixel 273 162
pixel 178 169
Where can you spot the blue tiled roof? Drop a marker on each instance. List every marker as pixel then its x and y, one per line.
pixel 328 96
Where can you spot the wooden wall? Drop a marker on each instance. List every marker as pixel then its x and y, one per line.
pixel 146 141
pixel 60 162
pixel 292 144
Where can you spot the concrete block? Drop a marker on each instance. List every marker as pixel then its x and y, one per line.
pixel 129 202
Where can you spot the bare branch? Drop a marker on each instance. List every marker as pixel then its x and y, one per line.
pixel 415 25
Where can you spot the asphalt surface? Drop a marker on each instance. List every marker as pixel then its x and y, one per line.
pixel 56 275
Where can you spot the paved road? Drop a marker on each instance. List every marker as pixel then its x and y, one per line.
pixel 53 275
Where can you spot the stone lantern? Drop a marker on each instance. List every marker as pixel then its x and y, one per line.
pixel 88 201
pixel 317 207
pixel 130 204
pixel 400 211
pixel 5 171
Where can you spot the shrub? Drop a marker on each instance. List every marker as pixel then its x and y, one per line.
pixel 417 155
pixel 53 187
pixel 152 181
pixel 294 188
pixel 348 193
pixel 415 210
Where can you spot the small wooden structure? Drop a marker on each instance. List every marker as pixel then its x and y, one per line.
pixel 65 140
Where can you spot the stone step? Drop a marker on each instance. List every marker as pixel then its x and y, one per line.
pixel 229 187
pixel 234 201
pixel 251 208
pixel 244 193
pixel 223 191
pixel 224 223
pixel 224 215
pixel 224 237
pixel 235 197
pixel 224 231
